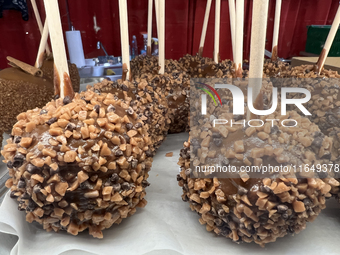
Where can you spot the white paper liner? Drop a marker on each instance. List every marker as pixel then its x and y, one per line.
pixel 165 226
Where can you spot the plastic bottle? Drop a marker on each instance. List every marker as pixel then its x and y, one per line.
pixel 155 47
pixel 145 38
pixel 134 47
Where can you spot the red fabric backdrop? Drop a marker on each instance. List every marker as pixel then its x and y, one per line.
pixel 184 19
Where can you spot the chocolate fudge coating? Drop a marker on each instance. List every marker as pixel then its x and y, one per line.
pixel 147 100
pixel 75 165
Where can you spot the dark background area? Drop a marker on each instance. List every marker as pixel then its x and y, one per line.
pixel 184 19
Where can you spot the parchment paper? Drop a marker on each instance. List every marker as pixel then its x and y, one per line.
pixel 165 226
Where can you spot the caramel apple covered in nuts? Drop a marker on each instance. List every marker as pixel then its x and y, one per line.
pixel 174 85
pixel 175 82
pixel 76 164
pixel 21 91
pixel 324 104
pixel 141 65
pixel 48 69
pixel 148 101
pixel 275 68
pixel 256 208
pixel 202 67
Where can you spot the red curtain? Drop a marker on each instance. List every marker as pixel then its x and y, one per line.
pixel 184 19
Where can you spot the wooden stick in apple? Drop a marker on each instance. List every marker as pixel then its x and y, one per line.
pixel 328 44
pixel 217 30
pixel 204 28
pixel 257 47
pixel 124 38
pixel 42 46
pixel 62 81
pixel 38 18
pixel 161 36
pixel 232 24
pixel 157 16
pixel 149 26
pixel 239 37
pixel 276 29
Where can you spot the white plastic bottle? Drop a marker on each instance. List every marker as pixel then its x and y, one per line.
pixel 134 47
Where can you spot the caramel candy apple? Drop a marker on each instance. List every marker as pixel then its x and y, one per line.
pixel 148 101
pixel 174 84
pixel 20 91
pixel 48 69
pixel 324 104
pixel 257 208
pixel 203 67
pixel 78 164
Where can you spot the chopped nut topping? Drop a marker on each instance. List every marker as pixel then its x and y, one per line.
pixel 61 188
pixel 82 176
pixel 56 131
pixel 299 206
pixel 70 156
pixel 92 194
pixel 105 151
pixel 26 142
pixel 238 146
pixel 132 133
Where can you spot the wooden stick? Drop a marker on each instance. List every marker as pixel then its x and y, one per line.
pixel 204 29
pixel 328 44
pixel 217 30
pixel 239 37
pixel 257 46
pixel 157 15
pixel 161 40
pixel 62 82
pixel 37 17
pixel 232 24
pixel 149 27
pixel 276 29
pixel 42 47
pixel 124 38
pixel 25 67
